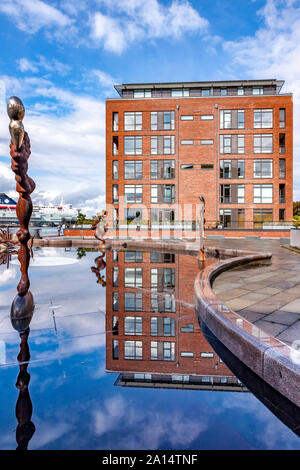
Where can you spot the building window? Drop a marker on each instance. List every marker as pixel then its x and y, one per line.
pixel 223 91
pixel 263 118
pixel 169 144
pixel 162 120
pixel 207 354
pixel 133 145
pixel 258 90
pixel 133 350
pixel 241 218
pixel 115 145
pixel 262 215
pixel 187 142
pixel 263 168
pixel 154 350
pixel 225 193
pixel 133 326
pixel 162 350
pixel 162 145
pixel 115 276
pixel 133 257
pixel 205 92
pixel 162 169
pixel 281 214
pixel 187 118
pixel 178 92
pixel 162 277
pixel 281 167
pixel 263 193
pixel 159 257
pixel 115 169
pixel 188 328
pixel 187 167
pixel 207 117
pixel 240 193
pixel 133 121
pixel 281 143
pixel 163 303
pixel 187 354
pixel 206 142
pixel 282 118
pixel 115 193
pixel 263 143
pixel 133 170
pixel 115 349
pixel 133 193
pixel 115 325
pixel 154 194
pixel 168 169
pixel 115 256
pixel 142 93
pixel 232 143
pixel 282 193
pixel 133 277
pixel 162 326
pixel 169 193
pixel 133 215
pixel 115 301
pixel 225 168
pixel 241 169
pixel 133 302
pixel 240 91
pixel 115 122
pixel 225 217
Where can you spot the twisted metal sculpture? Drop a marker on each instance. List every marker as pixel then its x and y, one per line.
pixel 201 229
pixel 20 151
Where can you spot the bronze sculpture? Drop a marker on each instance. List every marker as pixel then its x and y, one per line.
pixel 20 151
pixel 23 304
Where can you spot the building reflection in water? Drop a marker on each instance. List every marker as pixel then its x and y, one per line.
pixel 25 428
pixel 153 335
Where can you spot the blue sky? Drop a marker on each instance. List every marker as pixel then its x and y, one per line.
pixel 62 58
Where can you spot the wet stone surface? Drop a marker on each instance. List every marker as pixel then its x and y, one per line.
pixel 266 295
pixel 124 366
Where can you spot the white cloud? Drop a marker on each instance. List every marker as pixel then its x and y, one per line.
pixel 68 147
pixel 273 52
pixel 139 20
pixel 32 15
pixel 48 65
pixel 106 80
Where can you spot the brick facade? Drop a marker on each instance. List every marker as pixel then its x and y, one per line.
pixel 190 183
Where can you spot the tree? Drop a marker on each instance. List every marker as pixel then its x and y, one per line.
pixel 81 218
pixel 296 208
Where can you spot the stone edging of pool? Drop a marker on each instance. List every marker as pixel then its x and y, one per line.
pixel 275 362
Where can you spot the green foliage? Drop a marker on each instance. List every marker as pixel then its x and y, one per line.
pixel 296 208
pixel 82 220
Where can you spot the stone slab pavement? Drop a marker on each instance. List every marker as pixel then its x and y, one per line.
pixel 268 294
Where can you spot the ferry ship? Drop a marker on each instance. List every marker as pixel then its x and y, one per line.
pixel 48 215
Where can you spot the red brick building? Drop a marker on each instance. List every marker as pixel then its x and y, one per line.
pixel 231 141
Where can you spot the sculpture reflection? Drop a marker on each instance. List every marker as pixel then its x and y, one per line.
pixel 25 428
pixel 100 230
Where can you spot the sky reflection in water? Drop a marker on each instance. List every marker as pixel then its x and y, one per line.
pixel 75 402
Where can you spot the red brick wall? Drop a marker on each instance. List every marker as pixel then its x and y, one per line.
pixel 195 182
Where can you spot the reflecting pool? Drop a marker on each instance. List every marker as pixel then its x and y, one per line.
pixel 118 360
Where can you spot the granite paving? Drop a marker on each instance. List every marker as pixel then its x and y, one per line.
pixel 266 294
